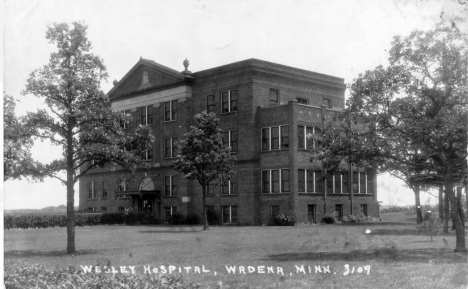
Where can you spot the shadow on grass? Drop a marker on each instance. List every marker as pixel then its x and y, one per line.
pixel 56 253
pixel 168 231
pixel 395 232
pixel 429 255
pixel 368 224
pixel 174 230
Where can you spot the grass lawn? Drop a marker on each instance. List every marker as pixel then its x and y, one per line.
pixel 393 254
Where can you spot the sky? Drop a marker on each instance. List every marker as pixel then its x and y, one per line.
pixel 339 38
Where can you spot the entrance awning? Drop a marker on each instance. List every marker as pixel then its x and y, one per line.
pixel 141 194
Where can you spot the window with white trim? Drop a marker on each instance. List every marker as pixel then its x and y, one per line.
pixel 92 190
pixel 228 188
pixel 125 123
pixel 147 155
pixel 170 110
pixel 229 214
pixel 146 115
pixel 305 136
pixel 309 181
pixel 275 181
pixel 362 183
pixel 275 138
pixel 170 186
pixel 104 189
pixel 228 101
pixel 230 140
pixel 169 212
pixel 123 185
pixel 302 101
pixel 170 147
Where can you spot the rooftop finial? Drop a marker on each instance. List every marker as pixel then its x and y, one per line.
pixel 186 64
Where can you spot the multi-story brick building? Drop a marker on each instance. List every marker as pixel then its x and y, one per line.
pixel 266 111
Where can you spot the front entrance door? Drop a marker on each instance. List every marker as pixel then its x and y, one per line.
pixel 147 206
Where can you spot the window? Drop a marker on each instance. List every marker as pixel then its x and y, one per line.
pixel 344 183
pixel 104 190
pixel 103 209
pixel 146 115
pixel 170 110
pixel 147 155
pixel 210 190
pixel 318 182
pixel 229 101
pixel 339 211
pixel 275 181
pixel 337 179
pixel 329 183
pixel 274 211
pixel 121 209
pixel 275 138
pixel 92 190
pixel 327 102
pixel 362 183
pixel 355 182
pixel 170 148
pixel 370 184
pixel 170 186
pixel 309 181
pixel 311 214
pixel 230 140
pixel 301 185
pixel 302 101
pixel 125 124
pixel 229 214
pixel 304 136
pixel 123 185
pixel 274 97
pixel 169 212
pixel 364 209
pixel 227 188
pixel 90 209
pixel 210 103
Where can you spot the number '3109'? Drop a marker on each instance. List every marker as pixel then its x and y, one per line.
pixel 357 270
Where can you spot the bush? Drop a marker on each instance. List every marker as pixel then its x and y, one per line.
pixel 29 221
pixel 359 218
pixel 330 218
pixel 177 219
pixel 36 276
pixel 284 220
pixel 212 217
pixel 193 219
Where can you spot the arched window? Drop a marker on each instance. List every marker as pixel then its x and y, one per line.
pixel 146 184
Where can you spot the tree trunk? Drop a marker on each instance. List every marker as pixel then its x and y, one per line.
pixel 460 245
pixel 70 191
pixel 446 211
pixel 461 212
pixel 205 217
pixel 70 217
pixel 441 202
pixel 419 218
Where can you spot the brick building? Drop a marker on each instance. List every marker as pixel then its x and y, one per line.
pixel 266 110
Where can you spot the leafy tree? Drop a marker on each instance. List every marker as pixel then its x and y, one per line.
pixel 203 157
pixel 418 106
pixel 346 141
pixel 16 142
pixel 77 117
